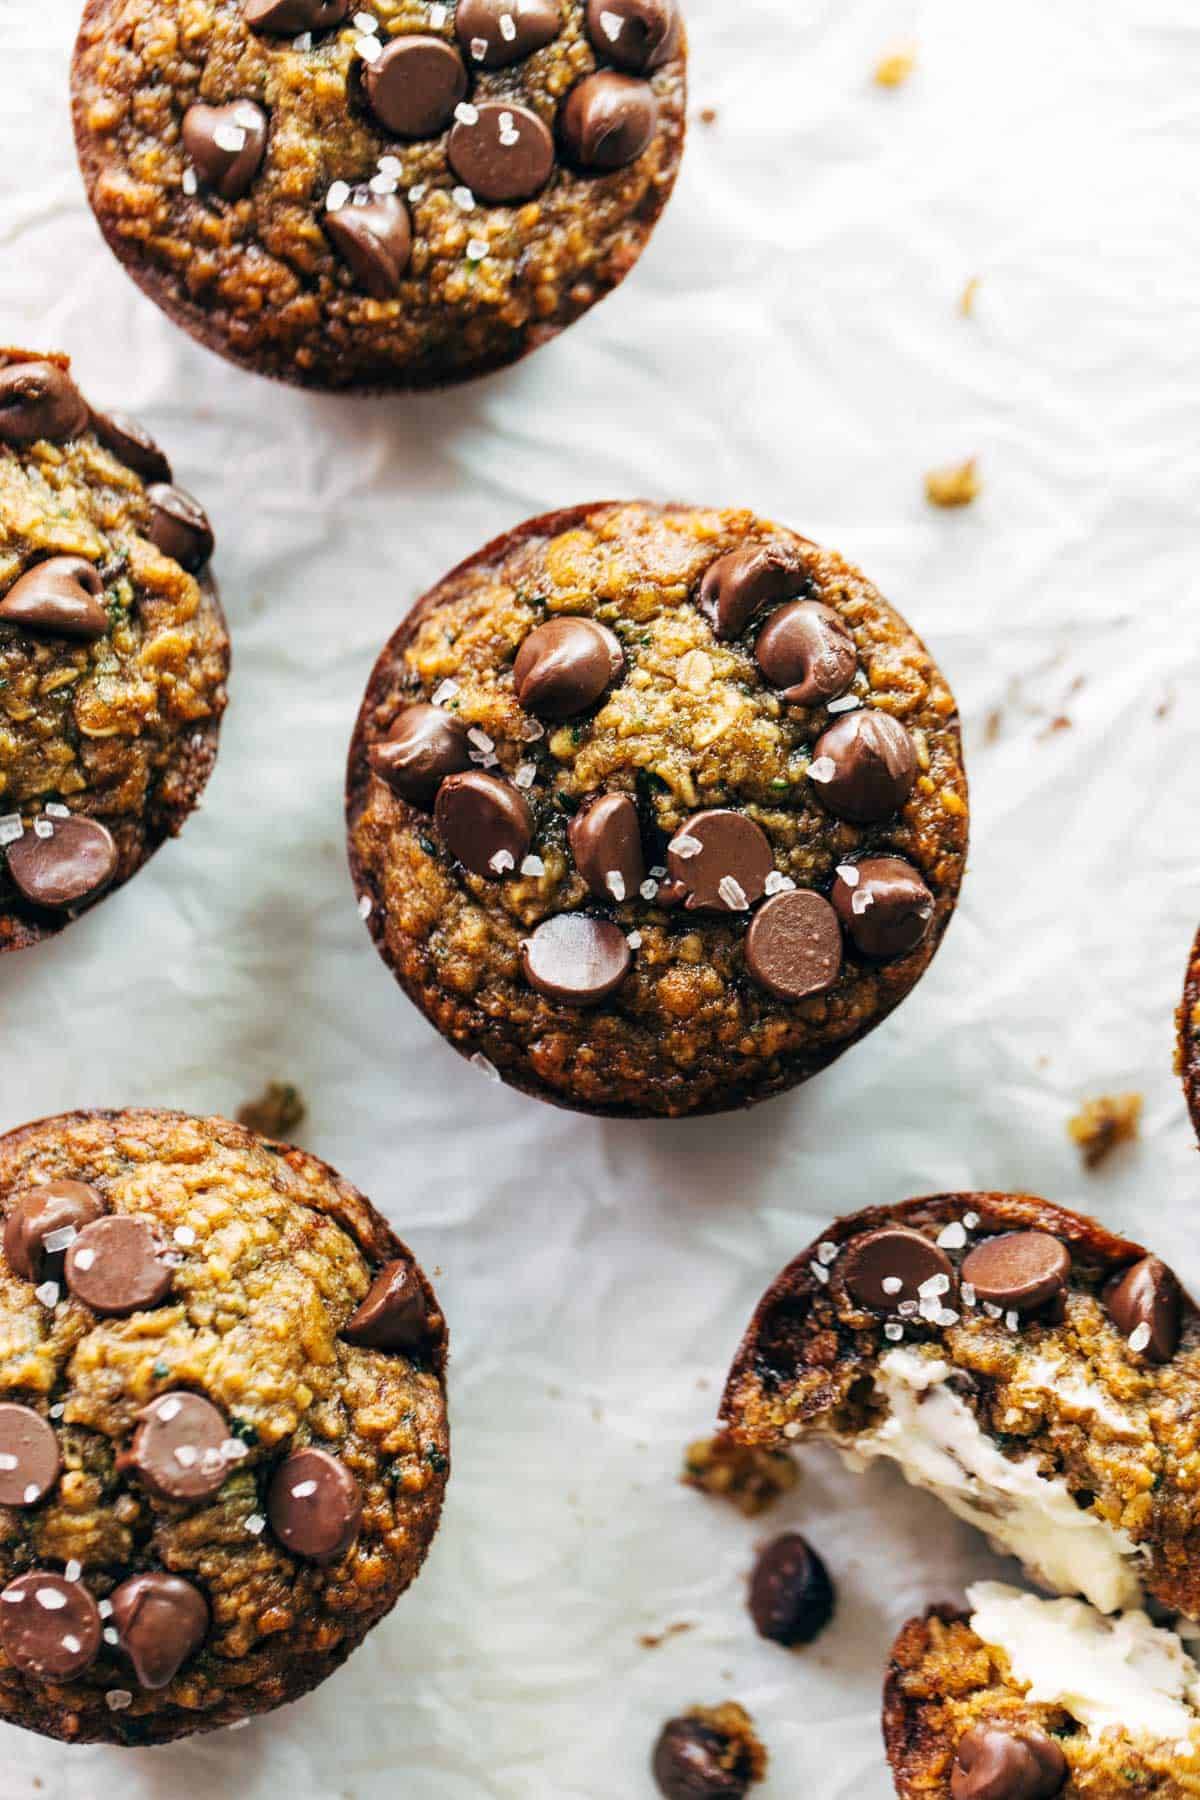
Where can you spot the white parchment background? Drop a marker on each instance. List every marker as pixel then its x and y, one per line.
pixel 790 341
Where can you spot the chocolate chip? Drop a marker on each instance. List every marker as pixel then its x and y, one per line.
pixel 1019 1270
pixel 794 945
pixel 315 1505
pixel 1001 1763
pixel 494 33
pixel 564 666
pixel 424 746
pixel 739 585
pixel 1147 1297
pixel 54 1210
pixel 791 1595
pixel 883 904
pixel 29 1458
pixel 285 18
pixel 75 862
pixel 394 1315
pixel 484 822
pixel 722 858
pixel 607 121
pixel 891 1265
pixel 177 1449
pixel 864 767
pixel 179 526
pixel 49 1627
pixel 38 400
pixel 118 1265
pixel 691 1763
pixel 639 35
pixel 806 652
pixel 502 151
pixel 606 842
pixel 160 1621
pixel 60 596
pixel 226 144
pixel 132 445
pixel 415 85
pixel 576 959
pixel 372 234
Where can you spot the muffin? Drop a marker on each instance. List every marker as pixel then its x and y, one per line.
pixel 378 193
pixel 223 1439
pixel 1189 1035
pixel 1038 1374
pixel 113 650
pixel 656 810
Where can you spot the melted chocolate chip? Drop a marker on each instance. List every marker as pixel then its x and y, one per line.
pixel 791 1595
pixel 60 597
pixel 607 121
pixel 57 1207
pixel 39 400
pixel 606 842
pixel 286 18
pixel 494 33
pixel 884 905
pixel 690 1763
pixel 1019 1270
pixel 49 1627
pixel 864 767
pixel 394 1315
pixel 424 746
pixel 638 35
pixel 160 1621
pixel 891 1265
pixel 794 945
pixel 226 144
pixel 415 85
pixel 1001 1763
pixel 315 1505
pixel 564 666
pixel 179 526
pixel 372 234
pixel 501 151
pixel 177 1449
pixel 739 585
pixel 132 445
pixel 576 959
pixel 1148 1297
pixel 74 863
pixel 29 1457
pixel 806 652
pixel 729 869
pixel 484 823
pixel 118 1265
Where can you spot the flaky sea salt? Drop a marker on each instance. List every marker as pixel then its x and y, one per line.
pixel 821 1273
pixel 822 768
pixel 778 883
pixel 169 1409
pixel 827 1253
pixel 733 894
pixel 935 1287
pixel 11 828
pixel 62 1239
pixel 526 775
pixel 953 1236
pixel 118 1699
pixel 335 199
pixel 256 1524
pixel 1139 1338
pixel 365 903
pixel 891 1284
pixel 445 692
pixel 481 1062
pixel 48 1292
pixel 369 48
pixel 466 114
pixel 614 881
pixel 303 1489
pixel 685 845
pixel 893 1332
pixel 502 862
pixel 533 865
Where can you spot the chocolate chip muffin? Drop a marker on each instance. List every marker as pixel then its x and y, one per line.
pixel 1189 1035
pixel 223 1440
pixel 378 193
pixel 656 810
pixel 113 650
pixel 1037 1373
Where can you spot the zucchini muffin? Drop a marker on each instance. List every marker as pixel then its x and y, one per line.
pixel 223 1439
pixel 378 193
pixel 113 650
pixel 655 809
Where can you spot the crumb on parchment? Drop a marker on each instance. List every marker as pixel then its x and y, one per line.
pixel 708 115
pixel 278 1111
pixel 651 1640
pixel 894 69
pixel 968 297
pixel 1103 1123
pixel 750 1479
pixel 956 485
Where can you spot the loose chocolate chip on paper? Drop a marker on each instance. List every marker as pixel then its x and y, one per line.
pixel 315 1505
pixel 564 666
pixel 394 1315
pixel 39 400
pixel 57 1210
pixel 606 843
pixel 73 863
pixel 722 858
pixel 791 1596
pixel 890 1266
pixel 423 746
pixel 1146 1302
pixel 1001 1763
pixel 738 586
pixel 179 526
pixel 132 445
pixel 287 18
pixel 226 144
pixel 806 652
pixel 863 767
pixel 494 33
pixel 639 35
pixel 794 945
pixel 576 959
pixel 414 86
pixel 29 1456
pixel 61 597
pixel 691 1763
pixel 484 822
pixel 177 1449
pixel 501 151
pixel 372 234
pixel 49 1627
pixel 119 1265
pixel 160 1621
pixel 607 121
pixel 1019 1270
pixel 883 904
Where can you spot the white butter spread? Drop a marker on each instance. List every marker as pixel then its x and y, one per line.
pixel 1122 1672
pixel 935 1438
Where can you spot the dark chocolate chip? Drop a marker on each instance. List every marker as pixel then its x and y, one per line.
pixel 864 767
pixel 118 1265
pixel 61 597
pixel 791 1596
pixel 1019 1270
pixel 394 1315
pixel 424 746
pixel 576 959
pixel 315 1505
pixel 501 151
pixel 1148 1297
pixel 415 85
pixel 565 665
pixel 1008 1763
pixel 50 1211
pixel 690 1763
pixel 285 18
pixel 607 121
pixel 638 35
pixel 806 652
pixel 372 233
pixel 794 945
pixel 739 585
pixel 891 1265
pixel 177 1451
pixel 484 822
pixel 49 1627
pixel 606 842
pixel 226 144
pixel 494 33
pixel 160 1621
pixel 132 445
pixel 179 526
pixel 883 904
pixel 29 1458
pixel 728 872
pixel 74 862
pixel 39 400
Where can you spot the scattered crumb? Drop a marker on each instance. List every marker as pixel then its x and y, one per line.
pixel 992 725
pixel 750 1479
pixel 1164 708
pixel 896 67
pixel 650 1640
pixel 966 300
pixel 746 1755
pixel 1059 723
pixel 276 1113
pixel 1104 1123
pixel 954 486
pixel 708 115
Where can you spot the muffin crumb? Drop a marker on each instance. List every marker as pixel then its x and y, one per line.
pixel 894 69
pixel 1103 1124
pixel 278 1111
pixel 752 1480
pixel 968 297
pixel 958 484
